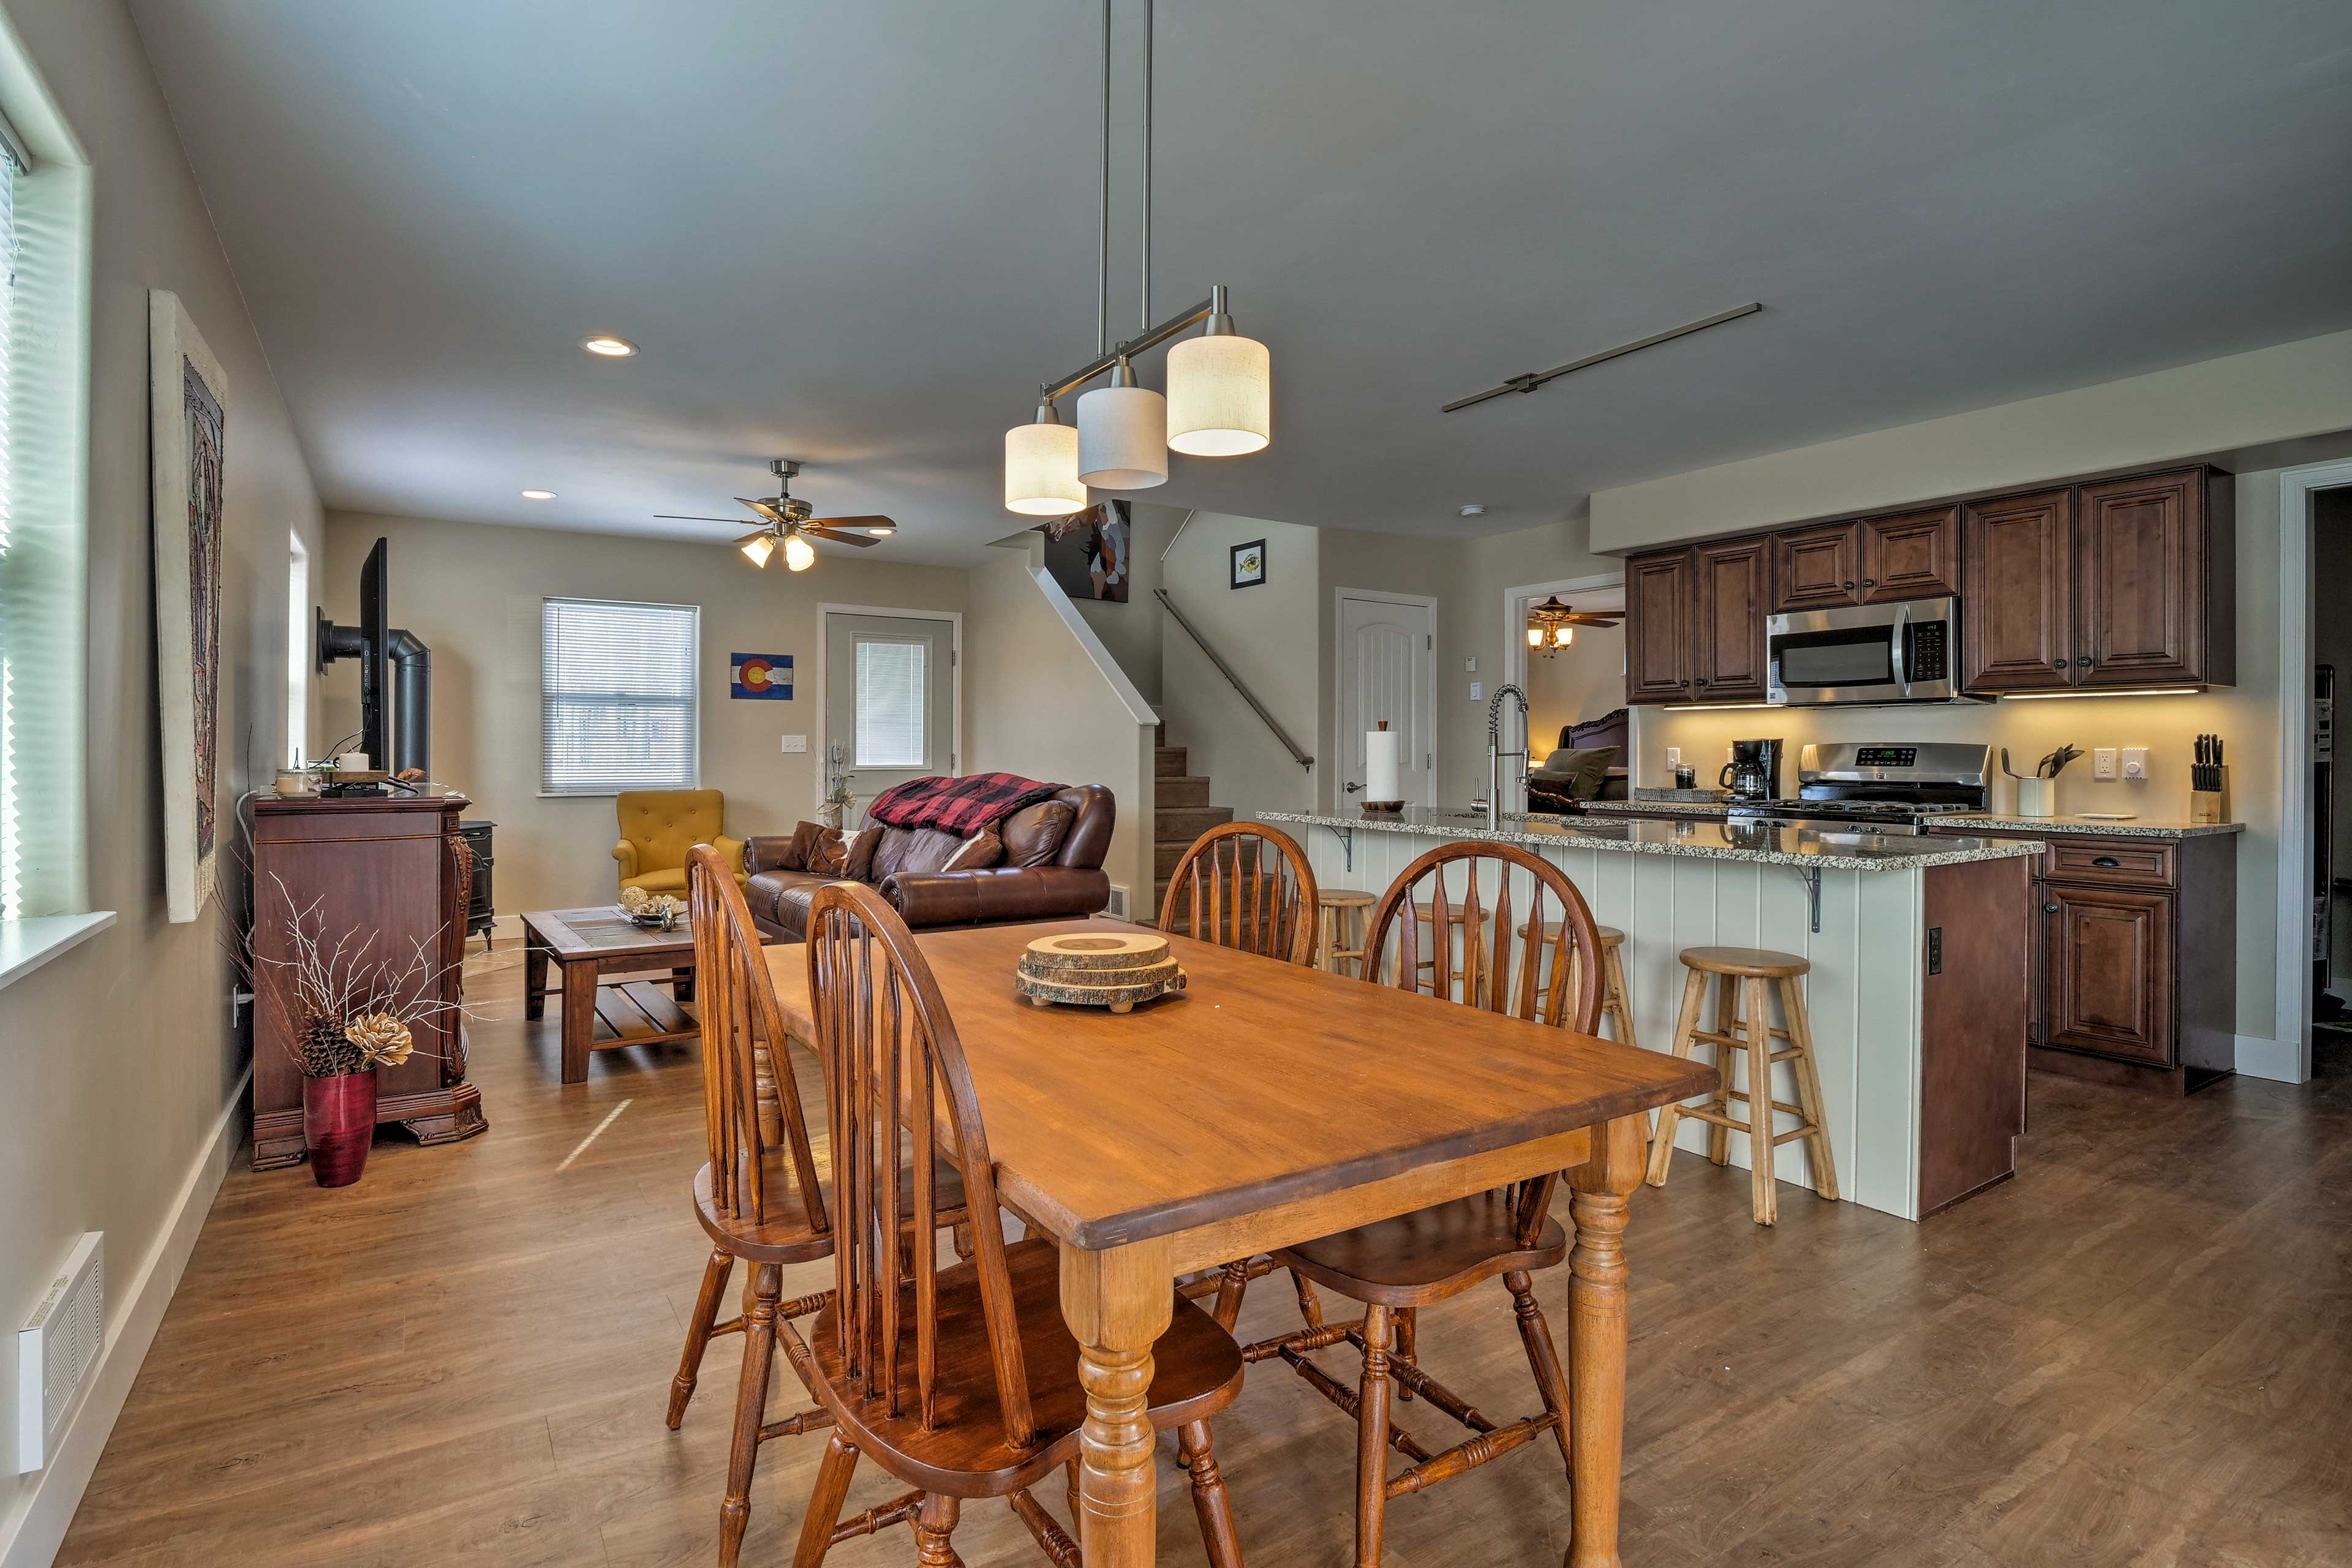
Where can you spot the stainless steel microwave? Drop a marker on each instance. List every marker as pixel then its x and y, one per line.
pixel 1867 653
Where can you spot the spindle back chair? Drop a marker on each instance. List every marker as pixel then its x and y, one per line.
pixel 1486 891
pixel 1244 885
pixel 961 1382
pixel 1397 1267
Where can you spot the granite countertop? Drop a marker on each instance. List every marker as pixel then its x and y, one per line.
pixel 1809 848
pixel 2136 828
pixel 1690 802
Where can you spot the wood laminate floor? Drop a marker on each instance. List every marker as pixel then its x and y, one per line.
pixel 2137 1353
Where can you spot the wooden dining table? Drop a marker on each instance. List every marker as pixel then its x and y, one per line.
pixel 1267 1104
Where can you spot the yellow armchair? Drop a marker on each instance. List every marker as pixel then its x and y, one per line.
pixel 659 825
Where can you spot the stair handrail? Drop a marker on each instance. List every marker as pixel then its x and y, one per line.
pixel 1301 758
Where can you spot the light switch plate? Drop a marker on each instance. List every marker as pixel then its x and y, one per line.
pixel 2135 762
pixel 1674 756
pixel 796 742
pixel 2103 763
pixel 1470 665
pixel 1477 691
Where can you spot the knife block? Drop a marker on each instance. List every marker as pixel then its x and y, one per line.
pixel 2210 807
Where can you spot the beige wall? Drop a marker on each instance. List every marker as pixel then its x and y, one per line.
pixel 1268 635
pixel 473 593
pixel 117 1060
pixel 2282 394
pixel 1041 703
pixel 1130 632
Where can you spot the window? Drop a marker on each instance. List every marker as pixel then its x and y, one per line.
pixel 14 632
pixel 890 680
pixel 299 653
pixel 619 699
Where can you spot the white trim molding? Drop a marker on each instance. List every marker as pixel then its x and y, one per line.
pixel 50 1500
pixel 2288 1058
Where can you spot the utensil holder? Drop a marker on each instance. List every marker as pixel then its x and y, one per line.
pixel 2036 797
pixel 2208 807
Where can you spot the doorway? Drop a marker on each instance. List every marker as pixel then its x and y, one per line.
pixel 1573 685
pixel 891 702
pixel 1387 657
pixel 2310 499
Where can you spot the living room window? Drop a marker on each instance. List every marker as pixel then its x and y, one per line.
pixel 619 702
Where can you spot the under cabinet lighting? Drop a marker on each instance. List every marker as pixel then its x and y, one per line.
pixel 1711 707
pixel 2106 691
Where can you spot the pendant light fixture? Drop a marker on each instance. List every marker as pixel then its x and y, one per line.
pixel 1041 467
pixel 1220 385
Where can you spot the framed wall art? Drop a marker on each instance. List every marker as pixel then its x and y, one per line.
pixel 187 435
pixel 1247 563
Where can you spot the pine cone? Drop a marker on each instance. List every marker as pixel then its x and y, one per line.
pixel 383 1039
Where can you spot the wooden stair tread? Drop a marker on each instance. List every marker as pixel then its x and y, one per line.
pixel 1196 1371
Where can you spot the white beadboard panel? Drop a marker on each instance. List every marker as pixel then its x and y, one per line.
pixel 1862 995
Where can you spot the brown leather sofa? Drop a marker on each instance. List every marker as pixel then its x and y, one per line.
pixel 1042 877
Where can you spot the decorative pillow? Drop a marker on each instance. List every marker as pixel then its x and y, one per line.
pixel 1034 836
pixel 837 853
pixel 806 837
pixel 1578 773
pixel 977 852
pixel 857 854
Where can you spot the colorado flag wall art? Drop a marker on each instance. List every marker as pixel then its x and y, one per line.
pixel 768 675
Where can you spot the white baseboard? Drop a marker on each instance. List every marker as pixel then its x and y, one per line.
pixel 2278 1060
pixel 38 1529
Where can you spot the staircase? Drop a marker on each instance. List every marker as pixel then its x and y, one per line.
pixel 1181 814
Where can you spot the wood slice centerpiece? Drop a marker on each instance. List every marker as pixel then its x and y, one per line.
pixel 1099 969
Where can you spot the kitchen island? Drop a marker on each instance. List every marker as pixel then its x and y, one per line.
pixel 1917 993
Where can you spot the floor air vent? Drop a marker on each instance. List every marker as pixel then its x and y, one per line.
pixel 56 1349
pixel 1117 908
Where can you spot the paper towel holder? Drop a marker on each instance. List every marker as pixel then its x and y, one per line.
pixel 1381 807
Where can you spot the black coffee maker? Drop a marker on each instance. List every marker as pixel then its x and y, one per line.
pixel 1754 771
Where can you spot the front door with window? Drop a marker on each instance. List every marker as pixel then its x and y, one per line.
pixel 889 701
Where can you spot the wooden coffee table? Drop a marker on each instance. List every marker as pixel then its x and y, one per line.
pixel 590 943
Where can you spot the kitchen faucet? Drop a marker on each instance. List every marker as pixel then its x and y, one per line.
pixel 1495 752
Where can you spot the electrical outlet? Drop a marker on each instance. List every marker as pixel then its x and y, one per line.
pixel 796 742
pixel 1477 691
pixel 1674 756
pixel 2103 763
pixel 2135 762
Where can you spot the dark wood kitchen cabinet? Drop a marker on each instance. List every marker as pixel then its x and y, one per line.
pixel 2133 963
pixel 2123 584
pixel 1695 623
pixel 1879 560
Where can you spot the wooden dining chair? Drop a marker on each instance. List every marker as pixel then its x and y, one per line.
pixel 760 1198
pixel 1244 885
pixel 963 1382
pixel 1398 1265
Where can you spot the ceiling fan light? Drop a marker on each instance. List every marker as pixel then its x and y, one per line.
pixel 798 553
pixel 758 548
pixel 1041 467
pixel 1220 397
pixel 1122 435
pixel 1535 636
pixel 1561 635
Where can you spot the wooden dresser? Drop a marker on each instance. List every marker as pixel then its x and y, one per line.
pixel 392 871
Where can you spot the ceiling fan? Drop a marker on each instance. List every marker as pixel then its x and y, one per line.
pixel 789 522
pixel 1551 625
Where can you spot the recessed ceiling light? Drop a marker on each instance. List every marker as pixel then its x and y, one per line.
pixel 539 495
pixel 1473 510
pixel 609 346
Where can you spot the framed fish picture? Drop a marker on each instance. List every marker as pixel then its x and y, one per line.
pixel 188 436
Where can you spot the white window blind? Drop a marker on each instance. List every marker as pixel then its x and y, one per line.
pixel 617 696
pixel 15 633
pixel 890 704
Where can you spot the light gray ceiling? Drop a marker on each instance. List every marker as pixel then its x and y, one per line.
pixel 858 233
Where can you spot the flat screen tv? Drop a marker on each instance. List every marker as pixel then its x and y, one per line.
pixel 375 659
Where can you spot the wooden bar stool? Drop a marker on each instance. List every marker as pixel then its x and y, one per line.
pixel 1340 929
pixel 1615 1004
pixel 1457 917
pixel 1745 977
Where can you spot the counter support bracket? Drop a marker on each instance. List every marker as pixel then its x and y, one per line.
pixel 1812 877
pixel 1347 838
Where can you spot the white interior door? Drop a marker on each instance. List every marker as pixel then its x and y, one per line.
pixel 889 700
pixel 1388 669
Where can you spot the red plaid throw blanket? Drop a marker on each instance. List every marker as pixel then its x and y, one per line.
pixel 961 807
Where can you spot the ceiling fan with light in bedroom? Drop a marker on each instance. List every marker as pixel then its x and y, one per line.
pixel 1551 625
pixel 789 524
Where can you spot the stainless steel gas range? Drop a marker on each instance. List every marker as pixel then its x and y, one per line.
pixel 1879 786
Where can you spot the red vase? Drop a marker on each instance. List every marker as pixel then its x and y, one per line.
pixel 337 1126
